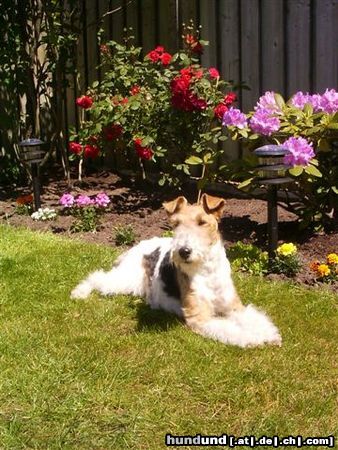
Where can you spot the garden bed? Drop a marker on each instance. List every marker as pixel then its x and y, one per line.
pixel 139 206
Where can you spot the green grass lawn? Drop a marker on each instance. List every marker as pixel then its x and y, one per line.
pixel 112 374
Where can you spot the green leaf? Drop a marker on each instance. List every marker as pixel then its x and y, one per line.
pixel 312 170
pixel 335 189
pixel 245 183
pixel 333 126
pixel 194 160
pixel 279 100
pixel 296 171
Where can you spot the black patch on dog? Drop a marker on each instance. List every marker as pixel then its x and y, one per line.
pixel 168 274
pixel 150 262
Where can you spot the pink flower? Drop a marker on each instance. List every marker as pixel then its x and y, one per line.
pixel 102 200
pixel 268 102
pixel 329 101
pixel 66 200
pixel 84 102
pixel 213 72
pixel 235 117
pixel 83 200
pixel 301 151
pixel 264 123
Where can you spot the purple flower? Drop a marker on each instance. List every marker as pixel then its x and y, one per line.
pixel 268 102
pixel 262 122
pixel 301 151
pixel 102 200
pixel 66 200
pixel 329 101
pixel 300 99
pixel 234 117
pixel 83 200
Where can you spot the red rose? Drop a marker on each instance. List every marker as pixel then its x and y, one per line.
pixel 113 132
pixel 123 101
pixel 165 58
pixel 135 90
pixel 197 47
pixel 159 49
pixel 137 142
pixel 190 39
pixel 153 56
pixel 91 151
pixel 84 102
pixel 93 139
pixel 143 152
pixel 219 110
pixel 104 48
pixel 213 72
pixel 198 74
pixel 75 148
pixel 230 98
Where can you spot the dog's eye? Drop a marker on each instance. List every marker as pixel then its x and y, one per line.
pixel 202 222
pixel 175 223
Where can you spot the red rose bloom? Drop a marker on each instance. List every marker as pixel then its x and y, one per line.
pixel 219 110
pixel 230 98
pixel 123 101
pixel 91 151
pixel 153 56
pixel 197 48
pixel 135 90
pixel 84 102
pixel 213 72
pixel 159 49
pixel 112 132
pixel 165 58
pixel 75 148
pixel 143 152
pixel 190 39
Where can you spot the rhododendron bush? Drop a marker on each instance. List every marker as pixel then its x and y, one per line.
pixel 307 125
pixel 161 108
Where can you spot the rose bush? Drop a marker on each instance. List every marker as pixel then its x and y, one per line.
pixel 307 125
pixel 164 109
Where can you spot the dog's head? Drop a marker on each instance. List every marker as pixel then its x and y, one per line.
pixel 195 227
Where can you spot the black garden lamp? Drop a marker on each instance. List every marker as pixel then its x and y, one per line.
pixel 33 152
pixel 271 172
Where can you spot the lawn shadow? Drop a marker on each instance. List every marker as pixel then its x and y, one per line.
pixel 153 319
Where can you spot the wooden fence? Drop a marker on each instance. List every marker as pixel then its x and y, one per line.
pixel 280 45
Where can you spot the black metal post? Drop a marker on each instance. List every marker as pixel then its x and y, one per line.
pixel 36 185
pixel 272 221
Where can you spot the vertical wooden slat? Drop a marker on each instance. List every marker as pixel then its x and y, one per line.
pixel 132 20
pixel 82 78
pixel 273 64
pixel 168 25
pixel 229 53
pixel 149 25
pixel 187 11
pixel 117 20
pixel 208 22
pixel 326 45
pixel 250 54
pixel 92 48
pixel 298 59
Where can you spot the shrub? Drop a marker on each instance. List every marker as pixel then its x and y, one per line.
pixel 124 235
pixel 307 125
pixel 162 111
pixel 248 258
pixel 286 260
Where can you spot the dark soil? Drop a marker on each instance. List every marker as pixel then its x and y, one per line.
pixel 139 205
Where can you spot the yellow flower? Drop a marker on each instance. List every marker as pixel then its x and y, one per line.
pixel 332 258
pixel 287 249
pixel 323 270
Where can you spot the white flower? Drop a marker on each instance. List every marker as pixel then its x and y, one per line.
pixel 44 214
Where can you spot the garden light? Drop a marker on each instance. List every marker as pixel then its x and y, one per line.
pixel 33 152
pixel 271 172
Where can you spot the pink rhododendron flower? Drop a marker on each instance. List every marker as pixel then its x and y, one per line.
pixel 102 200
pixel 67 200
pixel 83 200
pixel 301 151
pixel 268 102
pixel 234 117
pixel 262 122
pixel 329 101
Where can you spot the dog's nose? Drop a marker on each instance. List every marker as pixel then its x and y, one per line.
pixel 184 252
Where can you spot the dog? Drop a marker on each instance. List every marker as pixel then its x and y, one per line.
pixel 188 275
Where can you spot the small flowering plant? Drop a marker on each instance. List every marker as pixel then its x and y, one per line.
pixel 286 260
pixel 85 210
pixel 307 125
pixel 24 205
pixel 164 109
pixel 44 214
pixel 326 271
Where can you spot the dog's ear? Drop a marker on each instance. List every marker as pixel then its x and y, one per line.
pixel 213 205
pixel 174 206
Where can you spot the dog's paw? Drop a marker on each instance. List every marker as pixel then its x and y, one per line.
pixel 81 291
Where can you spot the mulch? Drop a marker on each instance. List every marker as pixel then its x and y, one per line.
pixel 139 205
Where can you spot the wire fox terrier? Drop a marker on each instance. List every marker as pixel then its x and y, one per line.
pixel 188 275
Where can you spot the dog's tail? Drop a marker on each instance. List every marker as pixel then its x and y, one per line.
pixel 126 277
pixel 246 327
